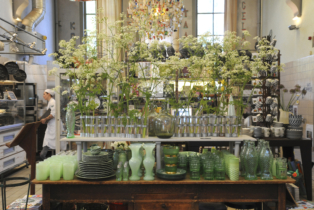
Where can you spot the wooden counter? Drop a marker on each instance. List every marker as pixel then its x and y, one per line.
pixel 162 194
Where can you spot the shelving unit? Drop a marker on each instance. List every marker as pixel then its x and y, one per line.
pixel 82 142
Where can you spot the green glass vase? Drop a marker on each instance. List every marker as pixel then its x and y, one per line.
pixel 251 162
pixel 149 161
pixel 135 161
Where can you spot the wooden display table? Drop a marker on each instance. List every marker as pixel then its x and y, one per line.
pixel 163 194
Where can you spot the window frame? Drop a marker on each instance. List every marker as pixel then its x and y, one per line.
pixel 209 13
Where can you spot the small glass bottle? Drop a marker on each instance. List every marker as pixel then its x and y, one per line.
pixel 106 126
pixel 266 162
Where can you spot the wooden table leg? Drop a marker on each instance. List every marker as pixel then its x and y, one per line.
pixel 130 206
pixel 281 197
pixel 79 151
pixel 306 154
pixel 46 197
pixel 237 149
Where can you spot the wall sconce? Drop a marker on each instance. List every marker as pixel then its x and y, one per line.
pixel 296 6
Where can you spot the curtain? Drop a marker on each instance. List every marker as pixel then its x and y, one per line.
pixel 112 10
pixel 231 11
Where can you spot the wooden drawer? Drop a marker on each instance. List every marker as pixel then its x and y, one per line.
pixel 5 151
pixel 12 160
pixel 8 136
pixel 164 206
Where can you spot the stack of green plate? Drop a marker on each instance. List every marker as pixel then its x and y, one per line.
pixel 101 157
pixel 100 170
pixel 95 166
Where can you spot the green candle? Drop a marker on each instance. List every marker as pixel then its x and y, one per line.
pixel 55 171
pixel 234 169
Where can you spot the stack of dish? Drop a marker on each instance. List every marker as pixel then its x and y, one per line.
pixel 95 166
pixel 110 153
pixel 294 133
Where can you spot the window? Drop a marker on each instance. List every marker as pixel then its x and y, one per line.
pixel 210 17
pixel 90 15
pixel 90 21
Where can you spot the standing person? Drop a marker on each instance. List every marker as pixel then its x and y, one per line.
pixel 50 134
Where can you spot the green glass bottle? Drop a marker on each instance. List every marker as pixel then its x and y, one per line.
pixel 266 162
pixel 164 124
pixel 251 162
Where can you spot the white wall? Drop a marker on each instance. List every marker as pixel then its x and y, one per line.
pixel 277 15
pixel 46 27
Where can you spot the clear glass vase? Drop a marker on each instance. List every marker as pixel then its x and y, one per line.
pixel 242 156
pixel 82 125
pixel 258 151
pixel 164 124
pixel 266 162
pixel 251 162
pixel 70 121
pixel 151 121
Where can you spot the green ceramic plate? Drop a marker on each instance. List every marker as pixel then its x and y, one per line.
pixel 161 173
pixel 95 177
pixel 99 155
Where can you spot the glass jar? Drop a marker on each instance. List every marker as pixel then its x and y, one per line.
pixel 183 161
pixel 234 130
pixel 182 120
pixel 98 126
pixel 222 120
pixel 228 130
pixel 215 130
pixel 281 168
pixel 197 130
pixel 164 124
pixel 87 126
pixel 220 170
pixel 82 126
pixel 221 128
pixel 151 120
pixel 209 129
pixel 251 162
pixel 195 167
pixel 179 131
pixel 106 126
pixel 203 127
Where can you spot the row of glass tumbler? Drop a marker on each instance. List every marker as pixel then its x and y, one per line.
pixel 213 166
pixel 164 124
pixel 56 167
pixel 259 161
pixel 110 126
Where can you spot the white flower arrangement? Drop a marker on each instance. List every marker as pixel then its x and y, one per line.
pixel 120 145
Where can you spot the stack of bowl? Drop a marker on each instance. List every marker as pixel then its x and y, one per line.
pixel 171 158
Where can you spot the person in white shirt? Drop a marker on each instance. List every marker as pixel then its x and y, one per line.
pixel 50 134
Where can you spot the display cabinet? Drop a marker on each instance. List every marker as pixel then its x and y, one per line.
pixel 12 119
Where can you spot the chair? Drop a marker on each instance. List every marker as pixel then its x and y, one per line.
pixel 4 185
pixel 243 206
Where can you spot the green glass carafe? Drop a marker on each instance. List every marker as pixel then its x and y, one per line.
pixel 251 162
pixel 151 120
pixel 266 162
pixel 242 157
